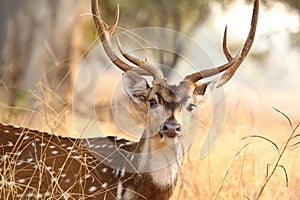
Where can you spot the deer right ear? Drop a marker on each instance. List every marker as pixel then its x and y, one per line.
pixel 136 86
pixel 201 92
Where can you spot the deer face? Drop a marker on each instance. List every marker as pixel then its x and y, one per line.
pixel 167 103
pixel 168 106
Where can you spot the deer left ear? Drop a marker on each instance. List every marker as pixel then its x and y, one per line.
pixel 136 86
pixel 200 89
pixel 201 93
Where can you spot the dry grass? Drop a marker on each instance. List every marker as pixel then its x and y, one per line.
pixel 252 168
pixel 236 168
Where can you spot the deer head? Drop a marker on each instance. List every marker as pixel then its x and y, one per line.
pixel 166 103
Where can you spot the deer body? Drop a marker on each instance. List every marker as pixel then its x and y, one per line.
pixel 38 165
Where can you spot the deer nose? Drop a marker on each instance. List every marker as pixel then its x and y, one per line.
pixel 171 129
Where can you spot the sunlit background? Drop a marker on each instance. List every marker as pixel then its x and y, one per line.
pixel 44 42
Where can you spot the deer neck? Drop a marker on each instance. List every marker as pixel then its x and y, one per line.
pixel 158 158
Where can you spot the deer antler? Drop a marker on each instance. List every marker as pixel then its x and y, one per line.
pixel 233 62
pixel 105 33
pixel 145 65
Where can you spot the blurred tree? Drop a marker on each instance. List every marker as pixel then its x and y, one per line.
pixel 38 38
pixel 295 4
pixel 180 15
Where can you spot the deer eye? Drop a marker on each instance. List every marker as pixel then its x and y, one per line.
pixel 191 107
pixel 152 103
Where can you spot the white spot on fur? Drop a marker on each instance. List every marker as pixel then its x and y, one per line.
pixel 132 157
pixel 10 144
pixel 68 148
pixel 119 190
pixel 47 194
pixel 117 171
pixel 123 172
pixel 30 194
pixel 25 137
pixel 21 180
pixel 54 152
pixel 20 162
pixel 129 143
pixel 43 144
pixel 66 196
pixel 77 157
pixel 104 185
pixel 93 189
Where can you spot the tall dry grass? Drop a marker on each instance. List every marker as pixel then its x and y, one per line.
pixel 253 159
pixel 257 155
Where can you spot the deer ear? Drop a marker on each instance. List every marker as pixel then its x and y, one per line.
pixel 201 93
pixel 136 86
pixel 200 89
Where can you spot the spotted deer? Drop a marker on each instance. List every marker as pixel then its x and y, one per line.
pixel 38 165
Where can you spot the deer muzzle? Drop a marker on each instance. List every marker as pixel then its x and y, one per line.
pixel 171 129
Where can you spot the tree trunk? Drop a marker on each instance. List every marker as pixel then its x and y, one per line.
pixel 39 39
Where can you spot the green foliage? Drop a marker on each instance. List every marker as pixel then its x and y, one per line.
pixel 179 15
pixel 176 14
pixel 295 4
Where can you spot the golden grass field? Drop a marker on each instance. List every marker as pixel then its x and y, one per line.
pixel 233 171
pixel 236 168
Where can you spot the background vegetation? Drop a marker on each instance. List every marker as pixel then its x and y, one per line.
pixel 42 44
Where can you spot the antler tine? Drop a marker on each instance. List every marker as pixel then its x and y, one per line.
pixel 234 62
pixel 130 58
pixel 249 41
pixel 143 65
pixel 105 35
pixel 225 46
pixel 154 71
pixel 246 47
pixel 209 72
